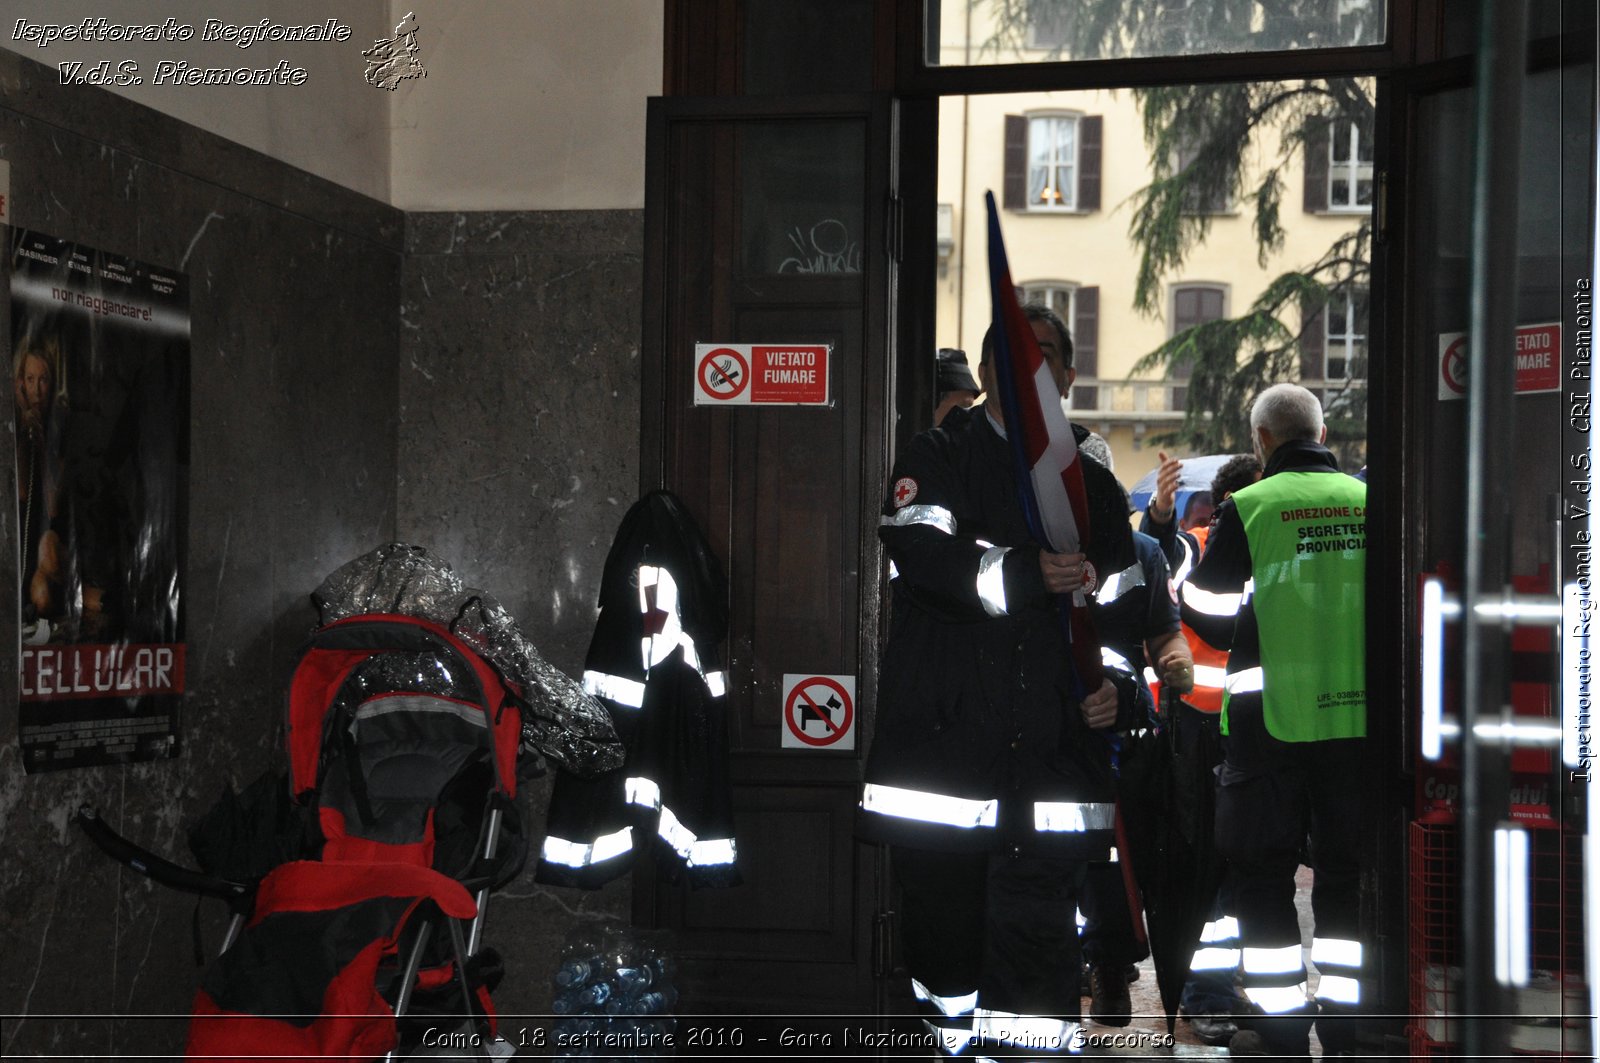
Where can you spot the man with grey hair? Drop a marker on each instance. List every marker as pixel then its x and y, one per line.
pixel 1285 411
pixel 1282 584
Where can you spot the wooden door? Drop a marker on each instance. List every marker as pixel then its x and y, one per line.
pixel 767 221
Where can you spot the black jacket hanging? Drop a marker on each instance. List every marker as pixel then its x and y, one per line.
pixel 654 663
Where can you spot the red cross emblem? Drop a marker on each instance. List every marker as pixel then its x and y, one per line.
pixel 905 489
pixel 655 617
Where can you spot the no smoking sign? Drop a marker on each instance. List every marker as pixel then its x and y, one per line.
pixel 819 712
pixel 761 374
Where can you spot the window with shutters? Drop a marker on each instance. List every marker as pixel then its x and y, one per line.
pixel 1333 346
pixel 1052 162
pixel 1199 199
pixel 1339 167
pixel 1193 304
pixel 1345 347
pixel 1049 26
pixel 1079 308
pixel 1057 295
pixel 1349 167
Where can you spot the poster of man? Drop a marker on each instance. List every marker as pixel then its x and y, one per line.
pixel 99 369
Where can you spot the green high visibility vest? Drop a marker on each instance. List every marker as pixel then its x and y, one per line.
pixel 1308 545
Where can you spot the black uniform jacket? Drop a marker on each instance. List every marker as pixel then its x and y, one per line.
pixel 654 663
pixel 979 741
pixel 1132 607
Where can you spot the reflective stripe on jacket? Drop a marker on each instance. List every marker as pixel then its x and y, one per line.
pixel 979 743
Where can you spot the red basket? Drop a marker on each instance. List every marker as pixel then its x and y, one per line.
pixel 1550 1014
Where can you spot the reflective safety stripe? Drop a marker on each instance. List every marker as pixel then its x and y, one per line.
pixel 932 516
pixel 713 852
pixel 1338 989
pixel 1150 676
pixel 1209 675
pixel 1248 681
pixel 954 1007
pixel 929 808
pixel 623 691
pixel 953 1042
pixel 1285 960
pixel 1072 817
pixel 992 580
pixel 641 791
pixel 1112 659
pixel 678 836
pixel 1182 571
pixel 577 854
pixel 1224 929
pixel 1341 952
pixel 392 704
pixel 690 656
pixel 1213 958
pixel 696 852
pixel 1029 1031
pixel 1278 1000
pixel 1210 602
pixel 1117 584
pixel 656 648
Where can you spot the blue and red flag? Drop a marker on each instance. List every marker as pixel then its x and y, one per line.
pixel 1049 470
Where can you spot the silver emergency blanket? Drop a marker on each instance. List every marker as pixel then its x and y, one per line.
pixel 561 722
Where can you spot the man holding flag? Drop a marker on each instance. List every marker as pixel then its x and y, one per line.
pixel 987 773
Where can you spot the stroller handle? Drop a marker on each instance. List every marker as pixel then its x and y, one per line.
pixel 152 866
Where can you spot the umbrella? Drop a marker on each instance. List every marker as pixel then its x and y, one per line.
pixel 1195 474
pixel 1167 803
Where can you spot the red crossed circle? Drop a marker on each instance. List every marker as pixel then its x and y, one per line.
pixel 721 380
pixel 798 698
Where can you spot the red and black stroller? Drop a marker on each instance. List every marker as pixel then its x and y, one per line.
pixel 361 889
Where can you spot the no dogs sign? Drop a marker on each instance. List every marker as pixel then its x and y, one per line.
pixel 761 374
pixel 819 712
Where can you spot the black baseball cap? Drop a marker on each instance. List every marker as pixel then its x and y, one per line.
pixel 954 375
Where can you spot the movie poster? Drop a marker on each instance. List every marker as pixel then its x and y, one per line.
pixel 100 383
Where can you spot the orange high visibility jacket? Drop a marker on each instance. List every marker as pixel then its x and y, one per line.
pixel 1210 664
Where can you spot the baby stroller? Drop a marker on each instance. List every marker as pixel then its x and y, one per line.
pixel 358 933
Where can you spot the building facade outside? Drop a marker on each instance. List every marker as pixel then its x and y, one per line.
pixel 1065 166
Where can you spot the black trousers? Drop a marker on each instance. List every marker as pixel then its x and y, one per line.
pixel 1000 925
pixel 1263 822
pixel 1108 933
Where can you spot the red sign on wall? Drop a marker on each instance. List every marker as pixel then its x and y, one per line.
pixel 761 374
pixel 1538 355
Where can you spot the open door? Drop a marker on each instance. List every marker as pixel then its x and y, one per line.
pixel 768 221
pixel 1495 916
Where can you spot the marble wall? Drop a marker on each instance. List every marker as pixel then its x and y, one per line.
pixel 518 455
pixel 464 381
pixel 292 471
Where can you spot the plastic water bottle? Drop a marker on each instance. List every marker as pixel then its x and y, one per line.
pixel 630 980
pixel 651 1003
pixel 574 972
